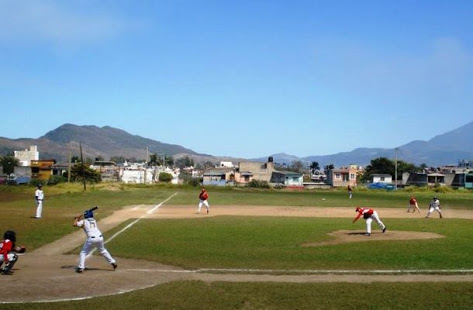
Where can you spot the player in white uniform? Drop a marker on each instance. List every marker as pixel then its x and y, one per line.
pixel 434 206
pixel 94 239
pixel 39 196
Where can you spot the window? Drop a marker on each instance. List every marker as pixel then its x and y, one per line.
pixel 337 175
pixel 352 176
pixel 381 179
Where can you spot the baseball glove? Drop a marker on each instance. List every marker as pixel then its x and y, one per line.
pixel 20 249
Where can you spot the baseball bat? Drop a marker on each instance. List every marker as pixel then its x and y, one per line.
pixel 93 208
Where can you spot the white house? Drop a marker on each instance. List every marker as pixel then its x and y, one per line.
pixel 26 156
pixel 381 178
pixel 226 164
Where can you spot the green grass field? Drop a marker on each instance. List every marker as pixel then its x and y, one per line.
pixel 257 243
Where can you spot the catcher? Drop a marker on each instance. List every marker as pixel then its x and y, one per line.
pixel 8 251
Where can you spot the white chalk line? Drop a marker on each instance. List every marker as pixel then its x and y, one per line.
pixel 149 212
pixel 302 271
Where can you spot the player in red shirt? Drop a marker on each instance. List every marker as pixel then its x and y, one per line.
pixel 203 196
pixel 413 205
pixel 369 215
pixel 7 255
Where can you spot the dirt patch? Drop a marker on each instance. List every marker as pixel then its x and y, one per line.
pixel 47 274
pixel 346 236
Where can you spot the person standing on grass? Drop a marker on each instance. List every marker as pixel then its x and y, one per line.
pixel 39 197
pixel 350 192
pixel 203 197
pixel 369 215
pixel 434 206
pixel 413 205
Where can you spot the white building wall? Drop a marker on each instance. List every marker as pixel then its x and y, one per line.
pixel 26 156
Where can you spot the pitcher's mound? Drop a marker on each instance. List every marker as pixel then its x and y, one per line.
pixel 344 236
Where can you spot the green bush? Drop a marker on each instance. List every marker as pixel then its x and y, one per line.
pixel 442 189
pixel 195 182
pixel 56 179
pixel 165 177
pixel 258 184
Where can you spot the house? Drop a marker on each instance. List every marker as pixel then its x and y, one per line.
pixel 414 179
pixel 243 177
pixel 381 178
pixel 219 176
pixel 260 171
pixel 435 179
pixel 469 180
pixel 287 178
pixel 109 171
pixel 343 177
pixel 42 169
pixel 26 156
pixel 226 164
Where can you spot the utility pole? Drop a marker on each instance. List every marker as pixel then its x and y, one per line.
pixel 395 168
pixel 69 168
pixel 83 166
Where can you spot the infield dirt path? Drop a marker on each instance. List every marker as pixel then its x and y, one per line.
pixel 47 274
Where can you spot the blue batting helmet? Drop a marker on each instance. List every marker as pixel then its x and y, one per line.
pixel 88 214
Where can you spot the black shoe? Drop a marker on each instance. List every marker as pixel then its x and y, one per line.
pixel 79 270
pixel 115 266
pixel 384 229
pixel 367 234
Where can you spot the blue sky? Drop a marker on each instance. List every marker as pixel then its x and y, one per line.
pixel 243 78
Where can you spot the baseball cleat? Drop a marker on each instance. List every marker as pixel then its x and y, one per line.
pixel 79 270
pixel 114 265
pixel 367 234
pixel 384 230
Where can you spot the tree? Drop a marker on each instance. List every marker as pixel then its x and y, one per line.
pixel 381 165
pixel 81 171
pixel 169 161
pixel 118 159
pixel 297 166
pixel 314 166
pixel 165 177
pixel 327 168
pixel 9 163
pixel 208 164
pixel 184 162
pixel 153 159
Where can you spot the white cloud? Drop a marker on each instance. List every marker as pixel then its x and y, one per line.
pixel 30 21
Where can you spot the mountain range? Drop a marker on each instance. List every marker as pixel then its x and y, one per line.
pixel 106 142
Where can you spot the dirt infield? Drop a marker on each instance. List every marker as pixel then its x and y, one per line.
pixel 47 274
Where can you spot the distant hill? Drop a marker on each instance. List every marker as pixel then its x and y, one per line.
pixel 96 141
pixel 445 149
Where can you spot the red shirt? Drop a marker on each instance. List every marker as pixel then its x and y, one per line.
pixel 363 211
pixel 412 201
pixel 203 195
pixel 5 247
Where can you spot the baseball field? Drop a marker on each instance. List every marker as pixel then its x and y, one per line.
pixel 256 249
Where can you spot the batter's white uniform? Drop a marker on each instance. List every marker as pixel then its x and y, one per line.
pixel 39 195
pixel 94 239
